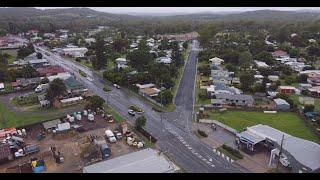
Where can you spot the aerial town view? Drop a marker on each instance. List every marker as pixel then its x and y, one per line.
pixel 159 90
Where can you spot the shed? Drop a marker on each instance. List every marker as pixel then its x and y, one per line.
pixel 143 161
pixel 5 152
pixel 51 124
pixel 306 100
pixel 282 104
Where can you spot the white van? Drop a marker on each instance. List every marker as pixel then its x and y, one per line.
pixel 110 136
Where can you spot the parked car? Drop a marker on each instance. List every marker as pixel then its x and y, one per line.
pixel 27 150
pixel 118 134
pixel 116 86
pixel 131 112
pixel 110 136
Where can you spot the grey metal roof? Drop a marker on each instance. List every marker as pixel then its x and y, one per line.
pixel 51 124
pixel 144 161
pixel 304 151
pixel 234 96
pixel 281 101
pixel 251 137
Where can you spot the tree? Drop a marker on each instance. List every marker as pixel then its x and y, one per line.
pixel 140 122
pixel 185 44
pixel 25 51
pixel 166 97
pixel 246 80
pixel 205 69
pixel 95 102
pixel 99 61
pixel 4 58
pixel 257 46
pixel 140 59
pixel 265 57
pixel 290 80
pixel 29 72
pixel 56 89
pixel 294 53
pixel 44 80
pixel 245 59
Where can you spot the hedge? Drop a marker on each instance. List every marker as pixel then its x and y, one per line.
pixel 202 133
pixel 232 151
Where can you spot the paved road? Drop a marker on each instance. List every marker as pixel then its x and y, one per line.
pixel 173 133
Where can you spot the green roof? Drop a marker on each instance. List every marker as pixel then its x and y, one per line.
pixel 71 83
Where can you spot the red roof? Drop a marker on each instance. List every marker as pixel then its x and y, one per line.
pixel 15 84
pixel 4 151
pixel 51 70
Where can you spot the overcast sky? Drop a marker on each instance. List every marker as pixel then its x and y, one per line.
pixel 184 10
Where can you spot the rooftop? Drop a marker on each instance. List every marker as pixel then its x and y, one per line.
pixel 279 101
pixel 71 83
pixel 143 161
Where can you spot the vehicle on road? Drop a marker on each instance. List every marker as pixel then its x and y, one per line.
pixel 131 112
pixel 116 86
pixel 89 78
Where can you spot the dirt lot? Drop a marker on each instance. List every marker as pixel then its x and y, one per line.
pixel 70 144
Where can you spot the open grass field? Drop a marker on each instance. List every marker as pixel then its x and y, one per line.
pixel 31 115
pixel 12 53
pixel 86 63
pixel 284 121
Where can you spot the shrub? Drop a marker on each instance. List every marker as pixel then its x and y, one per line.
pixel 106 89
pixel 135 108
pixel 232 151
pixel 202 133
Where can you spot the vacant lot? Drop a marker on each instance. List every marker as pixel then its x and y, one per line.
pixel 13 55
pixel 284 121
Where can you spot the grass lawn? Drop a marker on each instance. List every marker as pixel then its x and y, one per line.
pixel 284 121
pixel 86 63
pixel 12 53
pixel 10 119
pixel 317 104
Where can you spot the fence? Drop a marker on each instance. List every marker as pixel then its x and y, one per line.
pixel 147 134
pixel 219 124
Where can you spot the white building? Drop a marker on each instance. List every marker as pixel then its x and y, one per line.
pixel 1 87
pixel 121 63
pixel 75 52
pixel 165 60
pixel 63 76
pixel 261 64
pixel 216 61
pixel 273 78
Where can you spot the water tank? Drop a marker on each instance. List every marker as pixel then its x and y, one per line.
pixel 90 117
pixel 85 112
pixel 78 117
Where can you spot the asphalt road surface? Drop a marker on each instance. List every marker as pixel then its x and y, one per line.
pixel 174 134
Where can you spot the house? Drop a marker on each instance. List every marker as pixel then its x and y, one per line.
pixel 221 88
pixel 71 101
pixel 281 104
pixel 134 45
pixel 74 87
pixel 16 85
pixel 287 89
pixel 258 78
pixel 151 92
pixel 273 78
pixel 49 35
pixel 121 63
pixel 304 86
pixel 50 70
pixel 143 161
pixel 280 54
pixel 165 60
pixel 2 87
pixel 143 86
pixel 314 91
pixel 63 76
pixel 261 64
pixel 5 152
pixel 217 102
pixel 314 80
pixel 90 40
pixel 272 94
pixel 25 83
pixel 303 155
pixel 310 73
pixel 75 51
pixel 216 61
pixel 236 99
pixel 306 100
pixel 33 62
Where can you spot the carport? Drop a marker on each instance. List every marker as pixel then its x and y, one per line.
pixel 249 139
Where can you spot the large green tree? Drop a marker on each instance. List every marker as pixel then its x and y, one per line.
pixel 95 102
pixel 246 80
pixel 99 61
pixel 56 89
pixel 245 59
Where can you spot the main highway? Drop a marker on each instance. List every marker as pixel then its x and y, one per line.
pixel 173 132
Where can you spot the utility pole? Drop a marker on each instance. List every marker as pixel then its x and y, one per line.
pixel 280 152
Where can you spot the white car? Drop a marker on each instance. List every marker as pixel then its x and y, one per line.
pixel 117 86
pixel 131 112
pixel 89 78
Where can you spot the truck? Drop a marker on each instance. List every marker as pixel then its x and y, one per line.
pixel 110 136
pixel 30 149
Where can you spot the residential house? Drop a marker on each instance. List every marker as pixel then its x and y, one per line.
pixel 2 87
pixel 221 88
pixel 280 54
pixel 222 76
pixel 143 86
pixel 62 76
pixel 296 66
pixel 315 91
pixel 49 35
pixel 310 73
pixel 261 64
pixel 33 62
pixel 51 70
pixel 281 104
pixel 121 63
pixel 314 80
pixel 216 61
pixel 90 40
pixel 305 100
pixel 273 78
pixel 134 45
pixel 304 87
pixel 75 52
pixel 236 99
pixel 287 89
pixel 25 83
pixel 71 101
pixel 258 78
pixel 74 87
pixel 165 60
pixel 148 90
